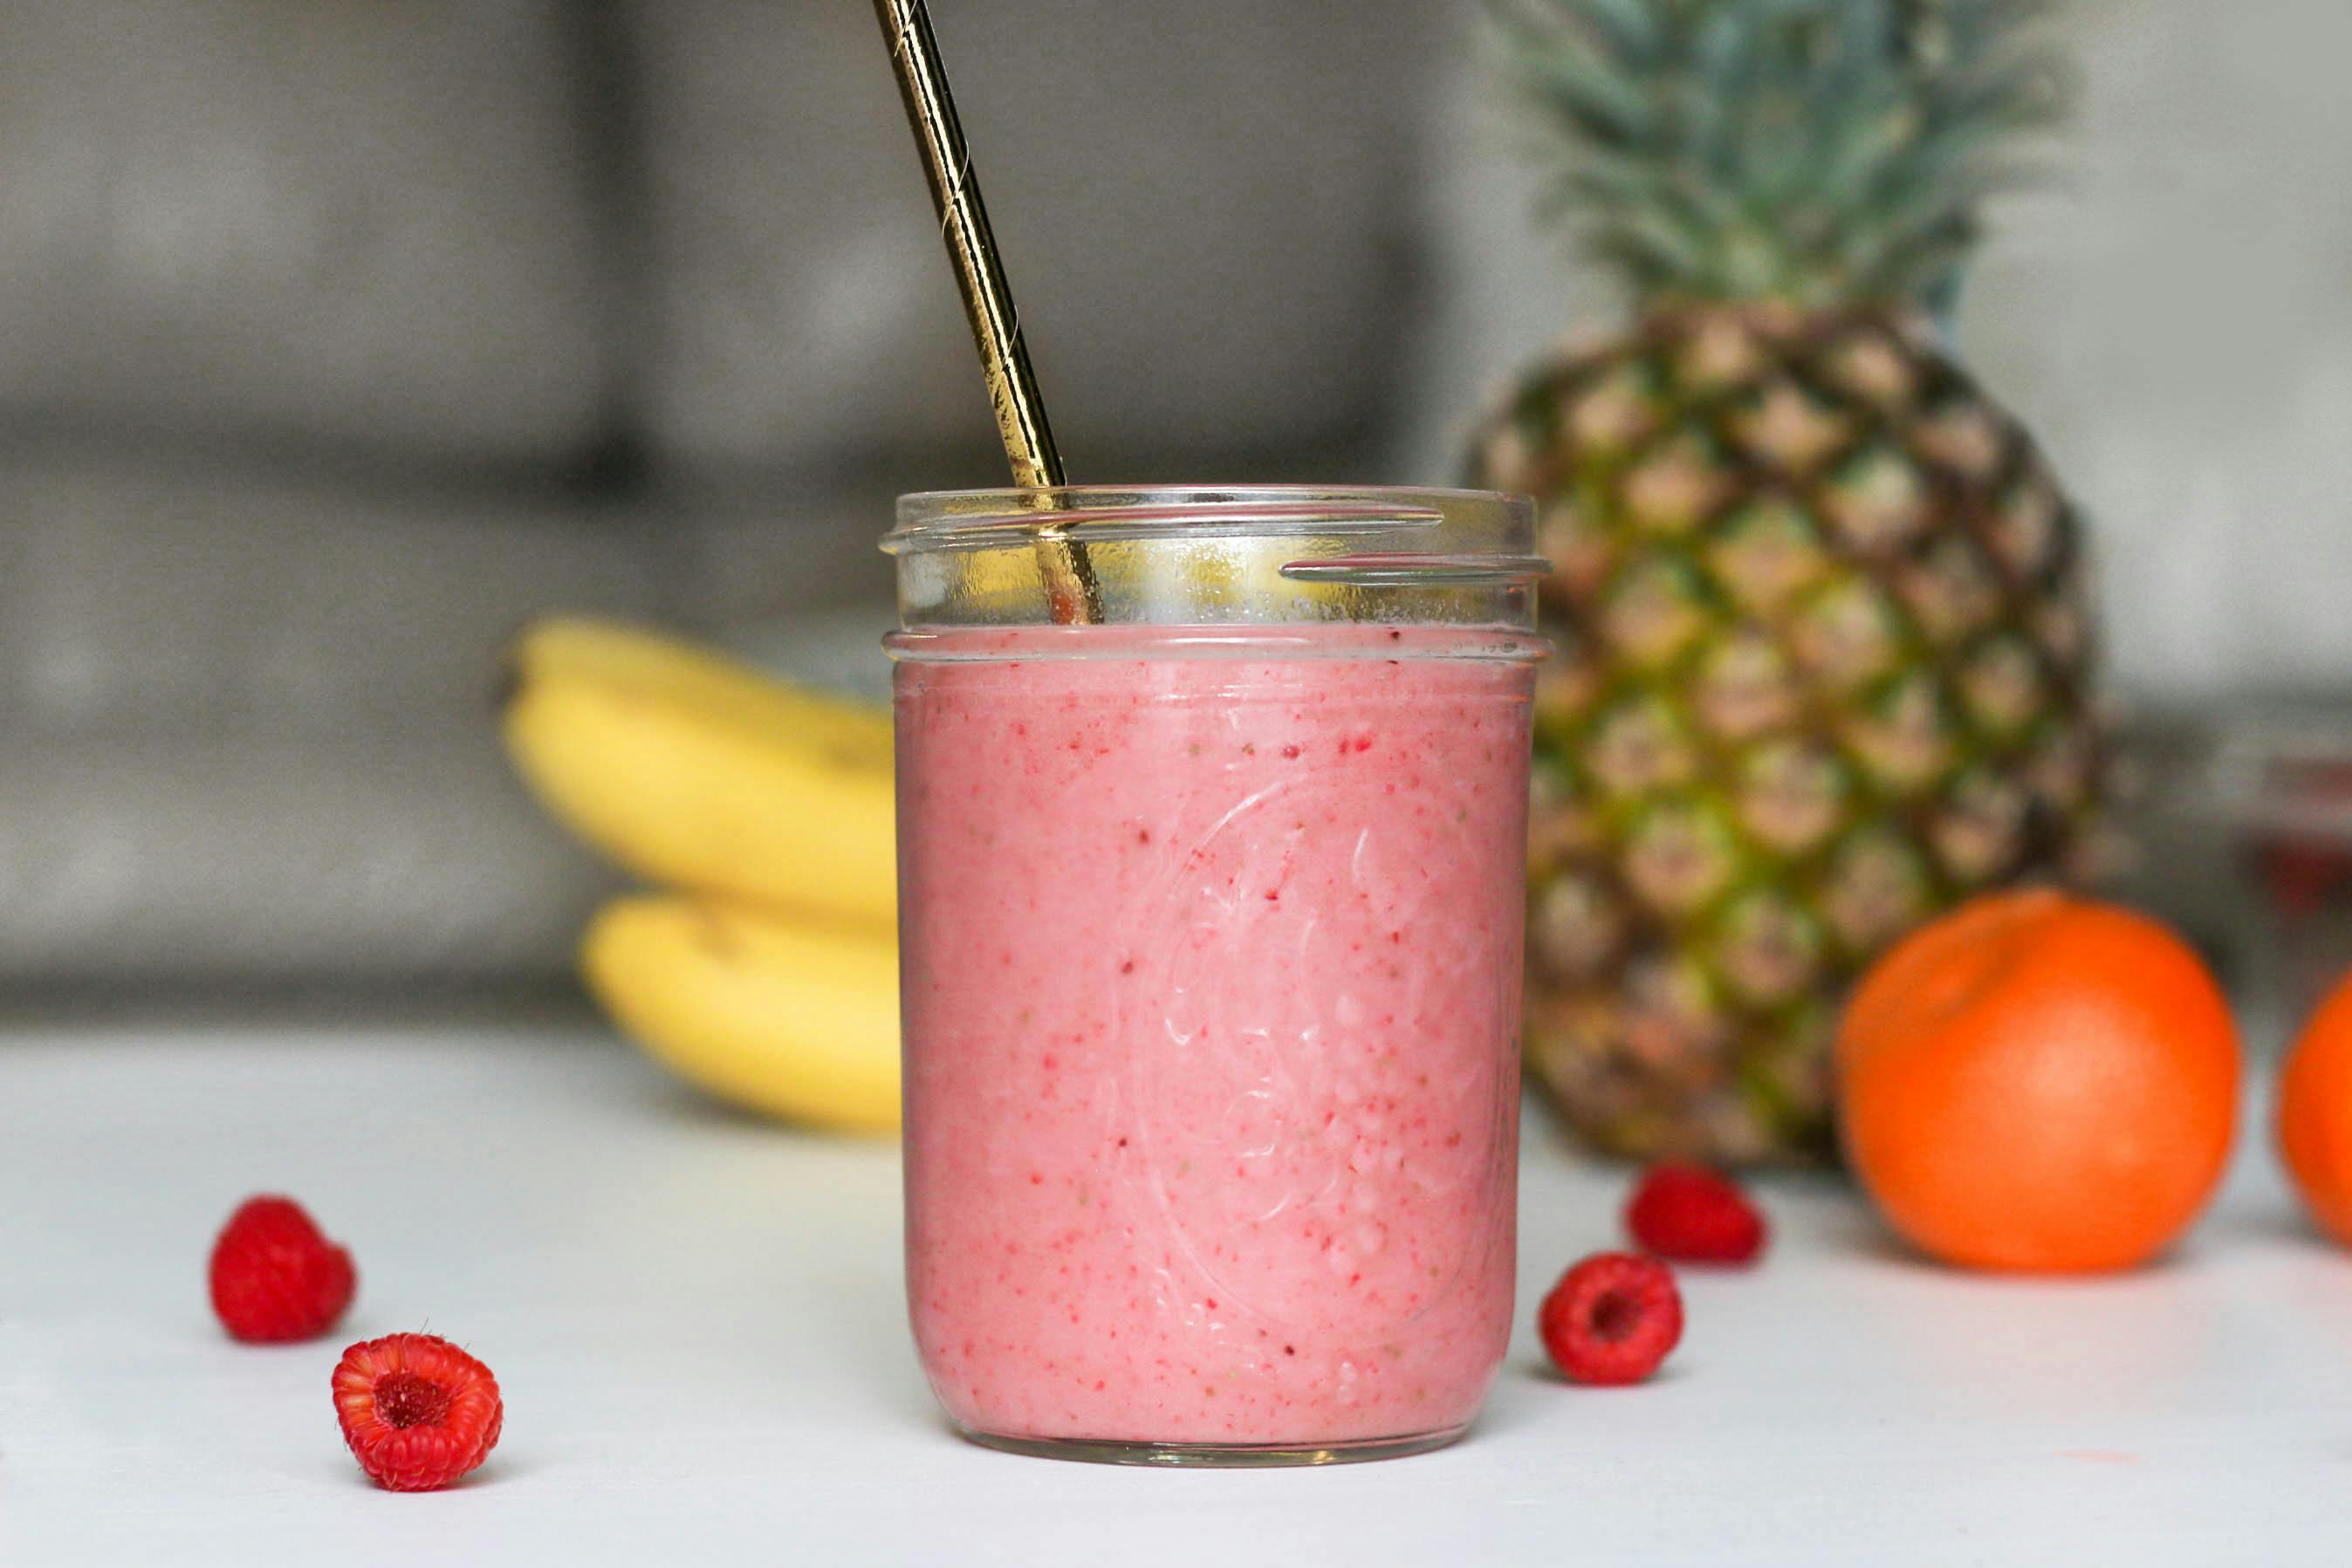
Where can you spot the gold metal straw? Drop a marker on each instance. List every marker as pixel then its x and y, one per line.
pixel 987 299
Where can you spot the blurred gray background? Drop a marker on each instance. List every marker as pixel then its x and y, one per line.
pixel 337 337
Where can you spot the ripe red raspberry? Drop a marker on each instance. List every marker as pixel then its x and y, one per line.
pixel 275 1277
pixel 1611 1319
pixel 1692 1215
pixel 417 1411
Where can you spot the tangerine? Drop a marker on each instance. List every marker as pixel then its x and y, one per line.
pixel 2315 1113
pixel 2037 1082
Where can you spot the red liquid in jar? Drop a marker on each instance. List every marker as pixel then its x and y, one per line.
pixel 1210 1004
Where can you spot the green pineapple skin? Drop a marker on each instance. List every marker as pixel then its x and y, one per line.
pixel 1823 670
pixel 1824 654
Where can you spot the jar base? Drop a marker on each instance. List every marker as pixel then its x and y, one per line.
pixel 1215 1455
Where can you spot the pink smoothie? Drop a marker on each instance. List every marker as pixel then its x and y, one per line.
pixel 1210 976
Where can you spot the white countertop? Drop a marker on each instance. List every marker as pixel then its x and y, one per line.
pixel 696 1320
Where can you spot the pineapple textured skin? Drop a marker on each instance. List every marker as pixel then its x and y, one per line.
pixel 1823 670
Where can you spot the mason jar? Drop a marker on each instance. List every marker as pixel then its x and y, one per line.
pixel 1212 821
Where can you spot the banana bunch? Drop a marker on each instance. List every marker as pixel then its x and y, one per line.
pixel 768 973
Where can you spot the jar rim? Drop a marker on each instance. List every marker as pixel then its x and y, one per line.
pixel 932 520
pixel 1277 643
pixel 1187 554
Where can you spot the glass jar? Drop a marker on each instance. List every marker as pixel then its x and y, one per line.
pixel 1210 908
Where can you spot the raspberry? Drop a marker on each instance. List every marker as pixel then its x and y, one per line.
pixel 1611 1319
pixel 417 1411
pixel 275 1277
pixel 1692 1215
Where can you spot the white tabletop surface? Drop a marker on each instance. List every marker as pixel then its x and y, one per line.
pixel 696 1320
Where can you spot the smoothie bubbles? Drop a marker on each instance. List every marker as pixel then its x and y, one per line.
pixel 1211 813
pixel 1211 919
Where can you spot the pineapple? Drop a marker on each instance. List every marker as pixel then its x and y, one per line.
pixel 1824 658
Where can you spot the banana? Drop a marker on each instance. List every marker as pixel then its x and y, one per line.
pixel 794 1020
pixel 695 771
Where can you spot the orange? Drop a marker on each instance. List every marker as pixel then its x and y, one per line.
pixel 2315 1113
pixel 2035 1082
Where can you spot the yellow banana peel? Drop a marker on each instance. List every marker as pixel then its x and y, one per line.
pixel 794 1020
pixel 701 773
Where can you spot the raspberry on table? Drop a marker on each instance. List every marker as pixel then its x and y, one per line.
pixel 418 1411
pixel 274 1277
pixel 1611 1319
pixel 1694 1214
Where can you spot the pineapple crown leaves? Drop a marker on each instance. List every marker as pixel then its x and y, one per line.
pixel 1818 152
